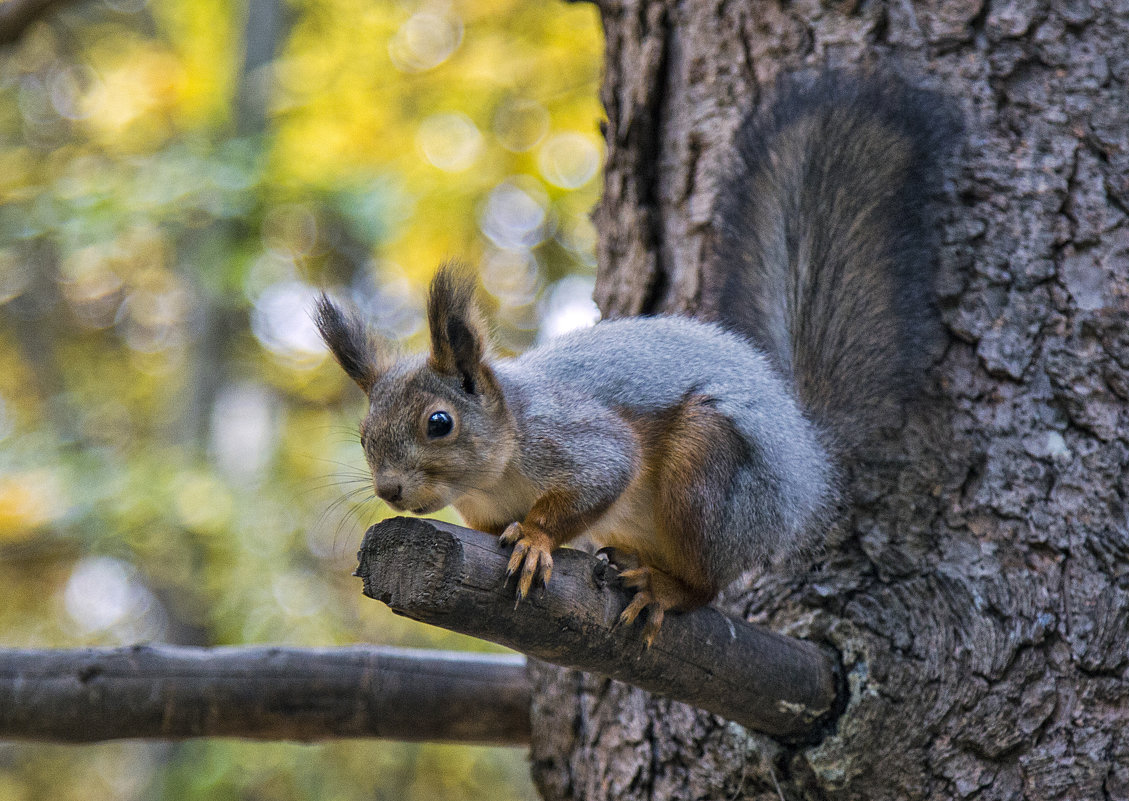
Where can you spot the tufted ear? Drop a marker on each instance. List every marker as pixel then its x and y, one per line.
pixel 352 344
pixel 458 332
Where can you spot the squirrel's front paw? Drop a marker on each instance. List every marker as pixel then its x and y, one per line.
pixel 531 556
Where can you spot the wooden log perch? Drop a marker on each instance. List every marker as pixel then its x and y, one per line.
pixel 453 577
pixel 263 693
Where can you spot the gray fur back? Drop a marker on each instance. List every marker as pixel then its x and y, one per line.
pixel 651 364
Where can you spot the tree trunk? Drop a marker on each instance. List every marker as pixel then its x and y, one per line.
pixel 978 589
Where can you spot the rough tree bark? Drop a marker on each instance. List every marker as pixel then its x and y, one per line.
pixel 979 588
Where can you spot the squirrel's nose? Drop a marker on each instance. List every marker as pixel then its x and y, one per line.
pixel 391 493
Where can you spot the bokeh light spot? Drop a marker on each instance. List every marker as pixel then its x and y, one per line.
pixel 450 141
pixel 244 428
pixel 568 306
pixel 512 218
pixel 511 276
pixel 281 321
pixel 425 40
pixel 569 160
pixel 520 123
pixel 105 596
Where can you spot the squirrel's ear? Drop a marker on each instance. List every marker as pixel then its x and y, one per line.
pixel 458 332
pixel 354 347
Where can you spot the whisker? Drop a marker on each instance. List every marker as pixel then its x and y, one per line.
pixel 346 511
pixel 338 427
pixel 356 478
pixel 354 516
pixel 335 481
pixel 346 465
pixel 358 481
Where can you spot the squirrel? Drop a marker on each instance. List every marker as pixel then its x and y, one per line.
pixel 694 449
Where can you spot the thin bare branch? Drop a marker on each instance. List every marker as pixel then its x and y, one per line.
pixel 263 693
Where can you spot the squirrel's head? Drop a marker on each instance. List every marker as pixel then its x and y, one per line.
pixel 438 426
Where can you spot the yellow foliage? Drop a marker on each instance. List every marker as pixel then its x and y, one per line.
pixel 359 96
pixel 203 35
pixel 28 501
pixel 15 170
pixel 203 504
pixel 127 107
pixel 156 258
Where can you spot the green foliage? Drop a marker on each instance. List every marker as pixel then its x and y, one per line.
pixel 169 425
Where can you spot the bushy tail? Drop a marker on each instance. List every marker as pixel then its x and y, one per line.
pixel 823 234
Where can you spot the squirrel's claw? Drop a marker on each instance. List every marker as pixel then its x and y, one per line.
pixel 531 558
pixel 640 602
pixel 640 580
pixel 643 600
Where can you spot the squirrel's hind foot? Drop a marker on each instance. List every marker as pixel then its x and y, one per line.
pixel 656 592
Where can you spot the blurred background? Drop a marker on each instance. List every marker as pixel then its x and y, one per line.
pixel 177 179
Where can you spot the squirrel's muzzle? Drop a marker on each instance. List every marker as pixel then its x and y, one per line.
pixel 390 491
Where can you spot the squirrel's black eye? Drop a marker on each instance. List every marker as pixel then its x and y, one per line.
pixel 439 425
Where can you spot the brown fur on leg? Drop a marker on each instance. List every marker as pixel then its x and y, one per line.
pixel 693 462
